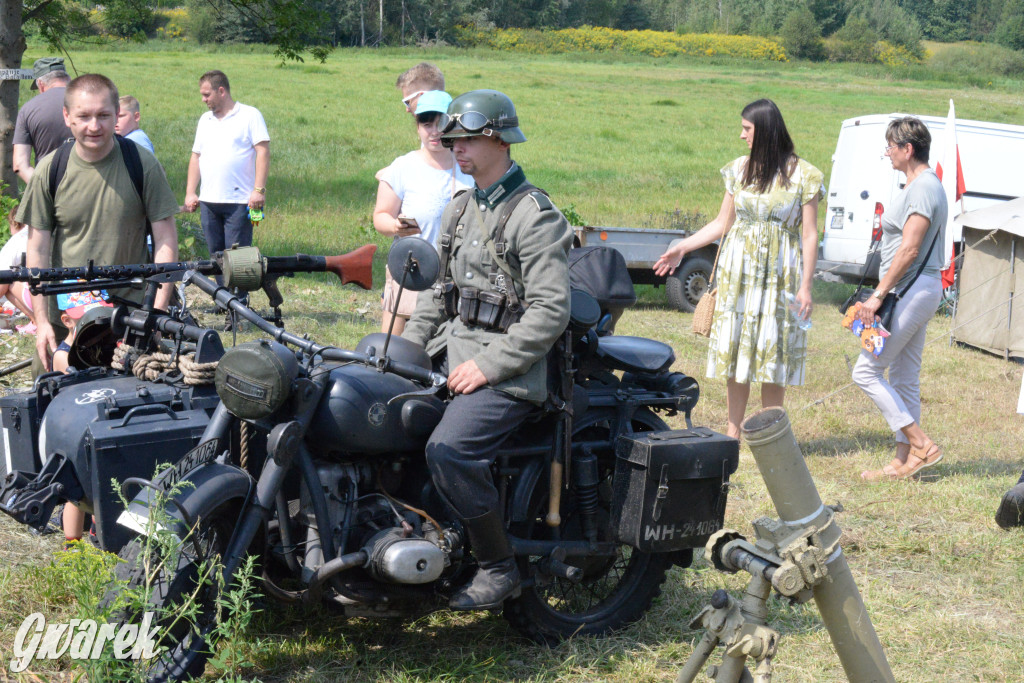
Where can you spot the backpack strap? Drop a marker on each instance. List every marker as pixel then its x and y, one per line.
pixel 59 166
pixel 133 162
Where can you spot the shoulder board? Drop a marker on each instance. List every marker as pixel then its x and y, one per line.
pixel 541 200
pixel 460 192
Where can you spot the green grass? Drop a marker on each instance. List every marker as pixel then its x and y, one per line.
pixel 626 143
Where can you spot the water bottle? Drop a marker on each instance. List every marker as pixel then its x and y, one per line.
pixel 794 307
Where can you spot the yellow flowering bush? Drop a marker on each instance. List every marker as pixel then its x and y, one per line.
pixel 171 23
pixel 603 39
pixel 894 55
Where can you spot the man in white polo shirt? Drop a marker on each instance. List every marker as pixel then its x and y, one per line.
pixel 231 154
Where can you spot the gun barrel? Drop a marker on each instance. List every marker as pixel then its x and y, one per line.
pixel 792 489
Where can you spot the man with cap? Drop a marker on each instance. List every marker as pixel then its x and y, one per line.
pixel 40 126
pixel 506 244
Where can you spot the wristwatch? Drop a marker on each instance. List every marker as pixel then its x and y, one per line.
pixel 878 295
pixel 261 190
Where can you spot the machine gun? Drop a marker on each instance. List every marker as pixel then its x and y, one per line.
pixel 243 268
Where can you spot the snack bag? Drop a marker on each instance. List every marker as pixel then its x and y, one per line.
pixel 872 339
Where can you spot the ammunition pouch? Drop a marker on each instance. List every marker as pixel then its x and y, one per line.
pixel 446 295
pixel 477 308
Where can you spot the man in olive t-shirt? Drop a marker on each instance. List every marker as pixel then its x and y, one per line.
pixel 96 212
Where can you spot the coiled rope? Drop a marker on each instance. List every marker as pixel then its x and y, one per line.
pixel 151 366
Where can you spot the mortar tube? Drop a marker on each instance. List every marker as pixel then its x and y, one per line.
pixel 796 499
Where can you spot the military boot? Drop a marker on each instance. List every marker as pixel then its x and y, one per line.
pixel 1011 508
pixel 498 576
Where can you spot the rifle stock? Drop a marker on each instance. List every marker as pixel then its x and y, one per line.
pixel 356 266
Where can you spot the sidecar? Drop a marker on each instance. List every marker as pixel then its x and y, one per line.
pixel 71 437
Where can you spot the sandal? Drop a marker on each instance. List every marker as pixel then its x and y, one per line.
pixel 926 457
pixel 888 472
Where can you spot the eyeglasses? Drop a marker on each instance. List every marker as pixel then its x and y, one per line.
pixel 409 98
pixel 473 122
pixel 428 117
pixel 897 145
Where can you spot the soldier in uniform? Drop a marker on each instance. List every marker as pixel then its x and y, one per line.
pixel 501 303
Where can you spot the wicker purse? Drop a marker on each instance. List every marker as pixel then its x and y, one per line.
pixel 704 313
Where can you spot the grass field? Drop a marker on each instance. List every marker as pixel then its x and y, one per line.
pixel 625 143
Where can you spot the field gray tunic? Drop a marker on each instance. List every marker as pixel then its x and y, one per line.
pixel 538 239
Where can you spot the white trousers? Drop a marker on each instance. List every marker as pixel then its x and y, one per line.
pixel 899 398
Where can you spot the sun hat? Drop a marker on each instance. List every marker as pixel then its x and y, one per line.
pixel 75 304
pixel 433 100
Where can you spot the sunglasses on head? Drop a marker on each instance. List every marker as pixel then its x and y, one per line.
pixel 409 98
pixel 473 122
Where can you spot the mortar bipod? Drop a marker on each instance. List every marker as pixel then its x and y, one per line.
pixel 792 561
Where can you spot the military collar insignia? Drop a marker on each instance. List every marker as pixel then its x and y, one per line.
pixel 493 195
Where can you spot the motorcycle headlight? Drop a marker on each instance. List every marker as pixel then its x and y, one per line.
pixel 254 379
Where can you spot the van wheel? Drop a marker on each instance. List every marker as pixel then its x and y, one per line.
pixel 687 285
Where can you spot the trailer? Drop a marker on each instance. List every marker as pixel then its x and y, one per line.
pixel 641 247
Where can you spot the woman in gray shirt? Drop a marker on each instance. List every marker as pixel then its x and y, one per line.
pixel 912 235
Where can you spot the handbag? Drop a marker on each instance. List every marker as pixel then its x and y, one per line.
pixel 888 308
pixel 704 313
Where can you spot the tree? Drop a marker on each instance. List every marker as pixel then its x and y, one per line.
pixel 292 26
pixel 801 35
pixel 1010 31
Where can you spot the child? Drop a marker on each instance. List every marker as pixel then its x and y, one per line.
pixel 73 307
pixel 11 254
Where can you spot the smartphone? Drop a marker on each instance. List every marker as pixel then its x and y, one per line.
pixel 408 222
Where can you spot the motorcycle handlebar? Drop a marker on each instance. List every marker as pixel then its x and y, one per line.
pixel 228 300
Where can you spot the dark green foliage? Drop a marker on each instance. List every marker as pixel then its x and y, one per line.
pixel 892 22
pixel 830 14
pixel 854 42
pixel 1010 31
pixel 131 19
pixel 634 17
pixel 801 35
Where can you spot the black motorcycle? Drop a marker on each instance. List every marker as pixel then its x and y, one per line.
pixel 313 460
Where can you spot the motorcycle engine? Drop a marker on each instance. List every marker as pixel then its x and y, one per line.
pixel 401 546
pixel 397 558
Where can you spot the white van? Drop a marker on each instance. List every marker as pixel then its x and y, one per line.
pixel 863 183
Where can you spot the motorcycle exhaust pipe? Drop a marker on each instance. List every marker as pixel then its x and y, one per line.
pixel 796 499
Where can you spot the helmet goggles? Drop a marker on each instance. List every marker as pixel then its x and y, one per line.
pixel 474 122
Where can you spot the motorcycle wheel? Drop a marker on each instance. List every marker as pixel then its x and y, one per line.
pixel 614 591
pixel 184 640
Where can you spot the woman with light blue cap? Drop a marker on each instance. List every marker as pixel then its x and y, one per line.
pixel 413 192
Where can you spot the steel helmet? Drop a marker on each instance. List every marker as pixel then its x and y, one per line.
pixel 481 112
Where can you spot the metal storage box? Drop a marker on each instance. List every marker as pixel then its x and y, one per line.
pixel 670 487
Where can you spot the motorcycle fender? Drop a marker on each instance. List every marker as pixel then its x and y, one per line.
pixel 203 489
pixel 519 501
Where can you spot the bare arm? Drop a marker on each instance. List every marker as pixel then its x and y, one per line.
pixel 257 199
pixel 37 255
pixel 914 231
pixel 386 213
pixel 22 162
pixel 192 183
pixel 165 250
pixel 715 230
pixel 809 253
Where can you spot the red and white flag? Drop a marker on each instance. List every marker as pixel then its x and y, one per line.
pixel 953 184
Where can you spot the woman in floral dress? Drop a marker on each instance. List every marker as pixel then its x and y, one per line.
pixel 768 224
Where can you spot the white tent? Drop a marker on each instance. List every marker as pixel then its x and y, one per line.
pixel 990 309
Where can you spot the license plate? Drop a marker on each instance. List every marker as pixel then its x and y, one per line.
pixel 194 459
pixel 837 222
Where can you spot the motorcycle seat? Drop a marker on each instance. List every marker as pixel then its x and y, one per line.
pixel 635 354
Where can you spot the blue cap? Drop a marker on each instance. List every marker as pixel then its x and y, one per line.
pixel 433 100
